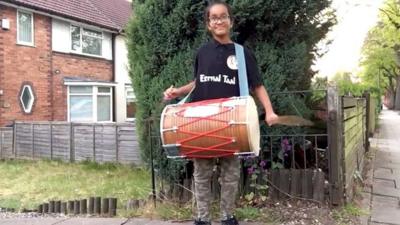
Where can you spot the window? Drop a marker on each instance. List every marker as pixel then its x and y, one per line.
pixel 130 103
pixel 86 41
pixel 27 98
pixel 24 28
pixel 104 104
pixel 90 104
pixel 81 103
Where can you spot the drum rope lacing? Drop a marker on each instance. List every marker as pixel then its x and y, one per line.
pixel 216 149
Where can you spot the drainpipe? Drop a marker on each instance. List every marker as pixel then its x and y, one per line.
pixel 52 74
pixel 114 91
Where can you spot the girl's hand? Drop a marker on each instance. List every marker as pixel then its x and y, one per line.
pixel 171 93
pixel 271 118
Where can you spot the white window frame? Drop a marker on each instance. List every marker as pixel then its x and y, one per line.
pixel 28 108
pixel 129 88
pixel 79 51
pixel 33 29
pixel 96 91
pixel 94 95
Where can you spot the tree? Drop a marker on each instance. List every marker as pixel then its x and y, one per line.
pixel 381 61
pixel 347 86
pixel 163 37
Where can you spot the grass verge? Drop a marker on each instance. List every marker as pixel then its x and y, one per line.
pixel 25 184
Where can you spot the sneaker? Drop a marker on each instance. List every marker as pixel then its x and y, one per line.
pixel 231 221
pixel 199 222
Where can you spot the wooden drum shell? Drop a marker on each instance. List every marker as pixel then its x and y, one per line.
pixel 237 123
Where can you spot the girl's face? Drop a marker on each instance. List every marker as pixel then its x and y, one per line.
pixel 219 21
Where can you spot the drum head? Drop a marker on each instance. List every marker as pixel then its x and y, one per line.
pixel 253 126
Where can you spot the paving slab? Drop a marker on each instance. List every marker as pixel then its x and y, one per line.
pixel 388 183
pixel 92 221
pixel 380 189
pixel 396 172
pixel 101 221
pixel 389 159
pixel 392 155
pixel 388 165
pixel 384 173
pixel 156 222
pixel 143 222
pixel 385 207
pixel 30 221
pixel 385 210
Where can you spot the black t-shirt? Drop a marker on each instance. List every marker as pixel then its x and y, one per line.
pixel 216 74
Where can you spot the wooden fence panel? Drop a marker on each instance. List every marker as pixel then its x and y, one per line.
pixel 372 116
pixel 71 142
pixel 41 141
pixel 304 183
pixel 365 138
pixel 6 143
pixel 349 113
pixel 60 141
pixel 354 138
pixel 24 143
pixel 127 142
pixel 106 143
pixel 295 188
pixel 284 183
pixel 348 102
pixel 83 142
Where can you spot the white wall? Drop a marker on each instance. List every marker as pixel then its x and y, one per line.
pixel 61 41
pixel 121 77
pixel 61 38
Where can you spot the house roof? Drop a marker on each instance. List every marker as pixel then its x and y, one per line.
pixel 111 14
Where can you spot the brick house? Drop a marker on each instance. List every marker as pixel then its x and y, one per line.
pixel 64 61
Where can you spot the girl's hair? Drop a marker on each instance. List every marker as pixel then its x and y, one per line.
pixel 216 2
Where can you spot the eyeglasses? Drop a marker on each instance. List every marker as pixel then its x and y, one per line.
pixel 221 19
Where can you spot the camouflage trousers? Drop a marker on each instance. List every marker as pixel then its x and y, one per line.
pixel 229 181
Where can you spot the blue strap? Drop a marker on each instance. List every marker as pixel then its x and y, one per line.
pixel 242 71
pixel 185 99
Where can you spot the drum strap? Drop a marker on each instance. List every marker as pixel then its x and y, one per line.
pixel 242 71
pixel 184 100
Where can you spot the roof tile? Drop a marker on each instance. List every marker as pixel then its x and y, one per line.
pixel 112 14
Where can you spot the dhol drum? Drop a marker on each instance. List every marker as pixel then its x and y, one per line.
pixel 211 128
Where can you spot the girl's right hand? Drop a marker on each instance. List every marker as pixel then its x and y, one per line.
pixel 171 93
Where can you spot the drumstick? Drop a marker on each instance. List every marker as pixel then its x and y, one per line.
pixel 294 121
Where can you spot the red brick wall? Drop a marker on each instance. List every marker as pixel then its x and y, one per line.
pixel 20 64
pixel 1 63
pixel 71 65
pixel 25 64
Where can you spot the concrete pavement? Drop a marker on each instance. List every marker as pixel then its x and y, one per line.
pixel 385 192
pixel 96 221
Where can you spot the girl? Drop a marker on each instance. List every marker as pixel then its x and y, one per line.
pixel 216 76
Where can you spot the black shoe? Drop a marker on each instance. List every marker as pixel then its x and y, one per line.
pixel 199 222
pixel 231 221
